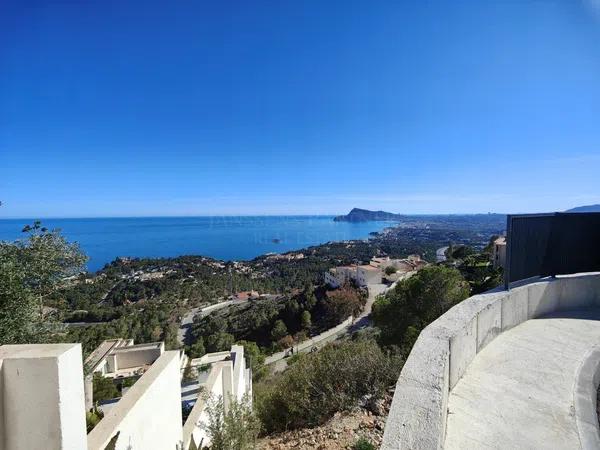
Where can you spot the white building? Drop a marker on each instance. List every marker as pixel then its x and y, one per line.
pixel 372 273
pixel 229 378
pixel 118 358
pixel 42 402
pixel 368 274
pixel 499 252
pixel 339 276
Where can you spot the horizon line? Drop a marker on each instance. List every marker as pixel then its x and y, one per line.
pixel 241 215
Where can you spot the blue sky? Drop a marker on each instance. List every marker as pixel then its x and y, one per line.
pixel 123 108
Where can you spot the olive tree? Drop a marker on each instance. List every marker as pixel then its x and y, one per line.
pixel 30 270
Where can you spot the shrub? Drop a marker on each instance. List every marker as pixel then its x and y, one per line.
pixel 343 302
pixel 319 384
pixel 104 388
pixel 416 302
pixel 279 330
pixel 390 270
pixel 234 429
pixel 363 444
pixel 92 417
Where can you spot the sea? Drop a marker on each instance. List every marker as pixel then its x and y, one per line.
pixel 223 237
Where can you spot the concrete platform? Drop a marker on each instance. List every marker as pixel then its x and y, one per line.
pixel 518 392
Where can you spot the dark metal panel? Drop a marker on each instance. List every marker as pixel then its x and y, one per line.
pixel 551 244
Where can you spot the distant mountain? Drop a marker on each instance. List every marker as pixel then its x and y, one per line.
pixel 587 208
pixel 364 215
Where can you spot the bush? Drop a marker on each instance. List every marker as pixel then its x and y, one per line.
pixel 363 444
pixel 416 302
pixel 390 270
pixel 255 359
pixel 104 388
pixel 343 302
pixel 234 429
pixel 319 384
pixel 92 418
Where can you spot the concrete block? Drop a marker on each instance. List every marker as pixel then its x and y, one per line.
pixel 489 321
pixel 429 361
pixel 514 307
pixel 459 326
pixel 43 397
pixel 578 292
pixel 543 298
pixel 418 414
pixel 417 418
pixel 463 348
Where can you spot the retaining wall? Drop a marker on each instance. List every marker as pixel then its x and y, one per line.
pixel 445 348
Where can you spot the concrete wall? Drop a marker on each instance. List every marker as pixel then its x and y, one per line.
pixel 127 358
pixel 148 416
pixel 42 400
pixel 366 276
pixel 194 428
pixel 227 380
pixel 445 348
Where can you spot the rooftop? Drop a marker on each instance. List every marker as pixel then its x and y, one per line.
pixel 369 268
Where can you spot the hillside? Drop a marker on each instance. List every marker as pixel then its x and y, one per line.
pixel 586 208
pixel 364 215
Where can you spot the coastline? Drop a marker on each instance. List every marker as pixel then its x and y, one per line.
pixel 225 238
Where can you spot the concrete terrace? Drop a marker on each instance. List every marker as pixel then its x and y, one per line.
pixel 518 391
pixel 505 369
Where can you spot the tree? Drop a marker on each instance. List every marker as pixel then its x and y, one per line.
pixel 255 358
pixel 416 302
pixel 306 320
pixel 279 330
pixel 309 297
pixel 343 302
pixel 461 252
pixel 390 270
pixel 104 388
pixel 234 428
pixel 197 349
pixel 219 342
pixel 30 270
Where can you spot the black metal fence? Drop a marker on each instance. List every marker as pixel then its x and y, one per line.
pixel 551 244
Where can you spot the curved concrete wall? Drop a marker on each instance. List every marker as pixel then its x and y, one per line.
pixel 445 348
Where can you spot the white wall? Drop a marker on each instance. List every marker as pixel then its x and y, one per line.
pixel 42 397
pixel 137 357
pixel 194 427
pixel 227 380
pixel 149 415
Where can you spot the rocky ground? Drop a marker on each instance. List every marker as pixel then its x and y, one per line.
pixel 341 432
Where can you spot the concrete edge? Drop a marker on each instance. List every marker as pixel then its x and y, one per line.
pixel 585 391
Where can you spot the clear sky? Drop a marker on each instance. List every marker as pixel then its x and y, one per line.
pixel 125 108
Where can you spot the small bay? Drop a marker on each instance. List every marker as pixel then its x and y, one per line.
pixel 222 237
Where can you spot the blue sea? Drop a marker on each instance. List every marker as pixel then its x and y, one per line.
pixel 225 237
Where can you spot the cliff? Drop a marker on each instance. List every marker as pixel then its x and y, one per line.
pixel 364 215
